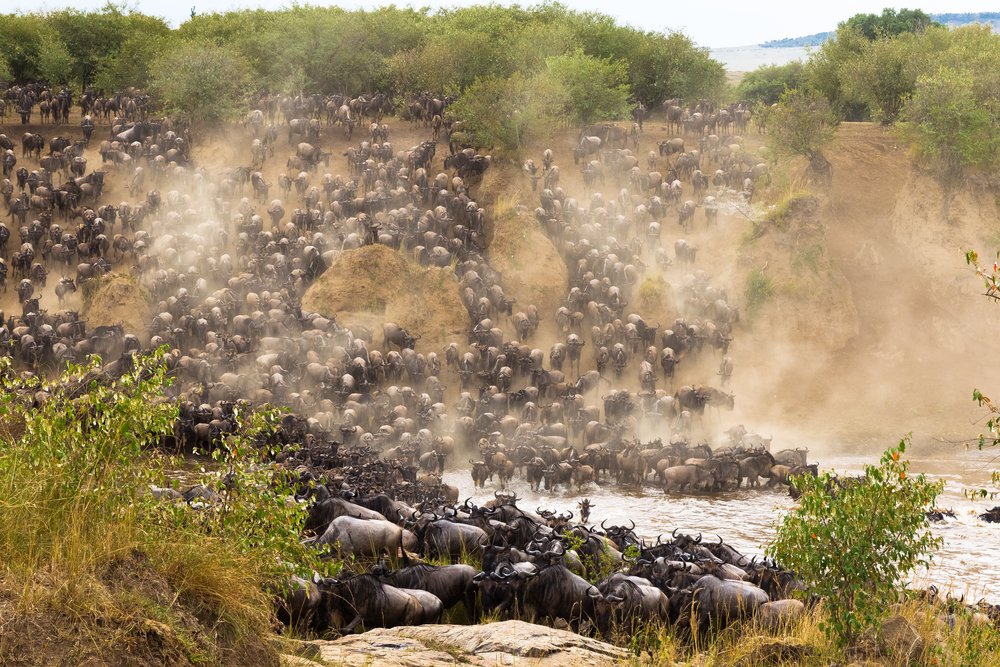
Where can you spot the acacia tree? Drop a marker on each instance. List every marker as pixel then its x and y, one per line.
pixel 202 83
pixel 591 89
pixel 802 124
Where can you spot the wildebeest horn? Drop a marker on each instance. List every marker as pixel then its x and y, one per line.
pixel 720 539
pixel 603 527
pixel 570 512
pixel 633 524
pixel 698 541
pixel 496 494
pixel 674 534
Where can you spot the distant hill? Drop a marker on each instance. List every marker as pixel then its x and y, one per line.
pixel 952 20
pixel 808 40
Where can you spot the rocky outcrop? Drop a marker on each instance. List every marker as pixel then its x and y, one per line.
pixel 505 643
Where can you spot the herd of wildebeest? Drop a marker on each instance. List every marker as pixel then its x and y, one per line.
pixel 371 423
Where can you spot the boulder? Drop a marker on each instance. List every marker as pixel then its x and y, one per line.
pixel 504 643
pixel 898 638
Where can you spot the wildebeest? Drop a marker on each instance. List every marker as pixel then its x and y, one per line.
pixel 395 335
pixel 363 600
pixel 369 538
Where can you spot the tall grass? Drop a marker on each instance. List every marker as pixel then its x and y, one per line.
pixel 77 457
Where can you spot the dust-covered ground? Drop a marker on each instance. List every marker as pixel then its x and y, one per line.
pixel 921 331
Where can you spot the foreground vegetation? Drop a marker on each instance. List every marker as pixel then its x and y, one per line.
pixel 86 548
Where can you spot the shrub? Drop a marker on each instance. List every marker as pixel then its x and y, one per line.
pixel 757 291
pixel 854 543
pixel 767 83
pixel 71 467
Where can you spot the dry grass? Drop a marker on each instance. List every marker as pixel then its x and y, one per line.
pixel 376 284
pixel 959 640
pixel 116 299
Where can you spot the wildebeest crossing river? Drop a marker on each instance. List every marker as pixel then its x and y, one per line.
pixel 965 564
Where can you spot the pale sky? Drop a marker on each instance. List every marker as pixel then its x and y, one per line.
pixel 713 23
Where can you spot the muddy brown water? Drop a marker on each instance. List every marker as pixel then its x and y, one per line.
pixel 966 563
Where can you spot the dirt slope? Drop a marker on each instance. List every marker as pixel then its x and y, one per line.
pixel 376 284
pixel 117 299
pixel 919 347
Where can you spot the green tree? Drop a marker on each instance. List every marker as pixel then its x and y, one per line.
pixel 884 74
pixel 951 129
pixel 823 72
pixel 890 22
pixel 202 83
pixel 854 542
pixel 93 37
pixel 130 65
pixel 767 83
pixel 591 89
pixel 671 66
pixel 802 124
pixel 55 63
pixel 507 113
pixel 24 37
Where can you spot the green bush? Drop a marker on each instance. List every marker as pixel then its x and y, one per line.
pixel 767 83
pixel 854 542
pixel 757 291
pixel 202 83
pixel 256 515
pixel 801 124
pixel 70 468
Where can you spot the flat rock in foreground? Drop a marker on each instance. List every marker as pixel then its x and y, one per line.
pixel 506 643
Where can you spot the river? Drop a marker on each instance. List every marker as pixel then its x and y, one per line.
pixel 966 563
pixel 749 58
